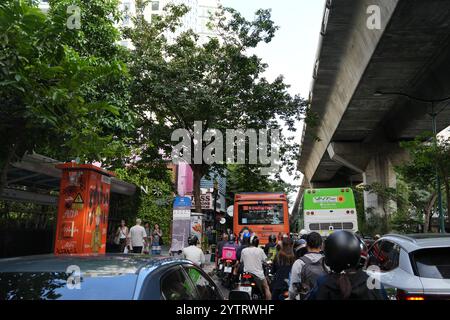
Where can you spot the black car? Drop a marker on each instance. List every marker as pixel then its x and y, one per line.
pixel 104 277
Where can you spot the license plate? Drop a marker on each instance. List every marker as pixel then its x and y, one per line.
pixel 220 266
pixel 246 289
pixel 228 269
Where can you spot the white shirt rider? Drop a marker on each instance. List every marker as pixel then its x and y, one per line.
pixel 195 254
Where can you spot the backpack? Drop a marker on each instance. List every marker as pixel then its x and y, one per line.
pixel 229 253
pixel 311 271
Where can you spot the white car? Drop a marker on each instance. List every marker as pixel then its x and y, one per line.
pixel 412 267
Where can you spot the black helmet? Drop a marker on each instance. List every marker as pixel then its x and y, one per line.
pixel 232 238
pixel 193 240
pixel 272 238
pixel 342 251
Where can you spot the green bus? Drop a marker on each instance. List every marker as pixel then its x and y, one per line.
pixel 326 210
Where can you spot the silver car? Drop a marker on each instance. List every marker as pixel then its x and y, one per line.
pixel 412 267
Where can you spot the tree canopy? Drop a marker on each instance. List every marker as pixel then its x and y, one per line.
pixel 177 82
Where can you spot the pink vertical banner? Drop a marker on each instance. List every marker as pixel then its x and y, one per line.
pixel 185 182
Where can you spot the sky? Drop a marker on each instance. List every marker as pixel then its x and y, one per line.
pixel 293 50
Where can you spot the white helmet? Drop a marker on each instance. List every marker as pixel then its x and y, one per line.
pixel 303 232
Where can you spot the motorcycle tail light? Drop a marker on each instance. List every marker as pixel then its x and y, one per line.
pixel 246 276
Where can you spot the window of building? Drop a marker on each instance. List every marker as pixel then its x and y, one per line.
pixel 155 5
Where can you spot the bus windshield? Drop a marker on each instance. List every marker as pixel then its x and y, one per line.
pixel 256 214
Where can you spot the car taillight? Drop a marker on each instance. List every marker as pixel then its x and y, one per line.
pixel 403 295
pixel 229 260
pixel 415 298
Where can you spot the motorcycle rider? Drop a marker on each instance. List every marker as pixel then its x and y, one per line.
pixel 281 268
pixel 194 253
pixel 220 245
pixel 300 248
pixel 303 234
pixel 245 242
pixel 347 280
pixel 231 243
pixel 307 269
pixel 270 249
pixel 253 259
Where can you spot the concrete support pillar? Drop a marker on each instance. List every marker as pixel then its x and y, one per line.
pixel 379 170
pixel 375 162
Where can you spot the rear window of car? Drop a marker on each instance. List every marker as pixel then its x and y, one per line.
pixel 433 263
pixel 58 286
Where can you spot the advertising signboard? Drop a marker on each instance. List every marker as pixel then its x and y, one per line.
pixel 181 225
pixel 82 209
pixel 197 225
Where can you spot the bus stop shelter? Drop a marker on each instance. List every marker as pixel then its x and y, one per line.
pixel 36 179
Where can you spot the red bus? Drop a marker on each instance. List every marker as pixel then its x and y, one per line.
pixel 264 213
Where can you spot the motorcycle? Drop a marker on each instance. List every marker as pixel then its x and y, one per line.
pixel 228 277
pixel 249 285
pixel 220 268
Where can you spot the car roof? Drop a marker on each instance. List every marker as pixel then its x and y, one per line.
pixel 412 242
pixel 100 264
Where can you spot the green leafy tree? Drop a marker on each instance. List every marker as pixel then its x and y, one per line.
pixel 153 199
pixel 58 97
pixel 428 158
pixel 217 83
pixel 245 178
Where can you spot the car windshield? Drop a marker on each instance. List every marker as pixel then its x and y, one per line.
pixel 433 263
pixel 61 286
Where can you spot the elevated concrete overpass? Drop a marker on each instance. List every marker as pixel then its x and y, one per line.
pixel 356 138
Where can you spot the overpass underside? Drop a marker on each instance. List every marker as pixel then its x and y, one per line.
pixel 357 137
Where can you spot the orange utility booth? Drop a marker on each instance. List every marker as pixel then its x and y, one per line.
pixel 82 209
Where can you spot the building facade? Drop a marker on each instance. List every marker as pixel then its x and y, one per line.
pixel 196 19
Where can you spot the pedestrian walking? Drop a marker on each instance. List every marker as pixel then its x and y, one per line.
pixel 156 240
pixel 122 236
pixel 137 237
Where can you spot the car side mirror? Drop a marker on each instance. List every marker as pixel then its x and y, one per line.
pixel 236 295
